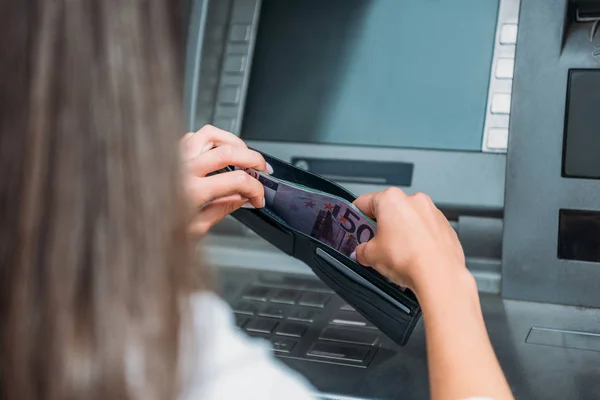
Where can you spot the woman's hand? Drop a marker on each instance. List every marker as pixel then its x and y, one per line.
pixel 414 241
pixel 209 150
pixel 415 246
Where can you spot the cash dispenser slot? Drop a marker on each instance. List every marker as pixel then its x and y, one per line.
pixel 359 171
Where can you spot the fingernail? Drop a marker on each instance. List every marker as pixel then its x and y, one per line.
pixel 269 168
pixel 264 202
pixel 353 256
pixel 247 205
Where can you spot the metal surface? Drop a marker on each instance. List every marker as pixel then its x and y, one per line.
pixel 535 190
pixel 537 367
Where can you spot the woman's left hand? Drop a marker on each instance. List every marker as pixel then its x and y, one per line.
pixel 209 150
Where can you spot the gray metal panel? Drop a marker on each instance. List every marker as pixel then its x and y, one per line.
pixel 535 190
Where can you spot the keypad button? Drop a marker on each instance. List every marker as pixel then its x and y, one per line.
pixel 314 299
pixel 349 336
pixel 294 282
pixel 284 296
pixel 246 308
pixel 282 345
pixel 339 352
pixel 347 307
pixel 350 319
pixel 256 293
pixel 292 329
pixel 303 315
pixel 240 320
pixel 274 311
pixel 260 325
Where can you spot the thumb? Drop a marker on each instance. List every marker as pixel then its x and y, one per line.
pixel 365 254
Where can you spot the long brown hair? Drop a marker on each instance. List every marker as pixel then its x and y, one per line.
pixel 94 258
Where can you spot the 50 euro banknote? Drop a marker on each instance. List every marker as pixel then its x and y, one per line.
pixel 323 216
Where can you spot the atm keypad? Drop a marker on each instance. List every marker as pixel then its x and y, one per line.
pixel 303 320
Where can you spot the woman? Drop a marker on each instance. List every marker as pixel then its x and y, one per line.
pixel 99 296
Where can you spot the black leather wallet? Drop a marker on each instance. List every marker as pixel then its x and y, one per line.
pixel 395 311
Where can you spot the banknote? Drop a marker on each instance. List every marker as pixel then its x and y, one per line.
pixel 325 217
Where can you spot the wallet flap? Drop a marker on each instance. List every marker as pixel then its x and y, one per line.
pixel 382 311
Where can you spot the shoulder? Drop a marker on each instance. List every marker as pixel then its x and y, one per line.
pixel 227 364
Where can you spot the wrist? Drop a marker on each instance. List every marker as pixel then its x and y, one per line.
pixel 441 291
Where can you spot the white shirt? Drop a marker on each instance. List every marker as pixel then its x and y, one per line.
pixel 227 364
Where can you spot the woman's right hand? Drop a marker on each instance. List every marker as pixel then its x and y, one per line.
pixel 414 242
pixel 416 247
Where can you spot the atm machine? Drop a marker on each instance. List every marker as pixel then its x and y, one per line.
pixel 489 106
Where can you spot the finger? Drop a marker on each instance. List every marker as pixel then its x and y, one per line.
pixel 226 199
pixel 369 203
pixel 365 204
pixel 366 253
pixel 213 213
pixel 204 190
pixel 224 155
pixel 205 139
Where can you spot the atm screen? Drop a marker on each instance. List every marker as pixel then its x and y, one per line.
pixel 381 72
